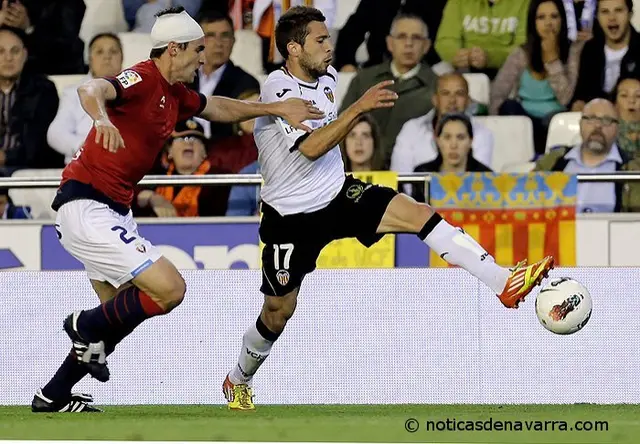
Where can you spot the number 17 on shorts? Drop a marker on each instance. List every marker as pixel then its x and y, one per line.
pixel 281 269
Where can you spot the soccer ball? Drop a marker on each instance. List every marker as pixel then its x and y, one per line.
pixel 563 306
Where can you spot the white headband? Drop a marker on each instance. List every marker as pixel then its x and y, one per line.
pixel 179 28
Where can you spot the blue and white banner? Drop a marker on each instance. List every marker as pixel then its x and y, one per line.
pixel 198 245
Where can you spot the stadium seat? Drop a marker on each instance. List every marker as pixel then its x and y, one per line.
pixel 62 81
pixel 39 199
pixel 344 80
pixel 136 47
pixel 513 139
pixel 101 16
pixel 479 87
pixel 247 52
pixel 519 167
pixel 564 129
pixel 635 17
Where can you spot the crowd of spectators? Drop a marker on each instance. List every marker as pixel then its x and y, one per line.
pixel 543 57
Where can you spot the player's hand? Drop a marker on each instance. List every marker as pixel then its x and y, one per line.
pixel 111 138
pixel 162 207
pixel 295 111
pixel 378 96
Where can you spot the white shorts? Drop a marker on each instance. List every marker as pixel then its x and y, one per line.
pixel 107 243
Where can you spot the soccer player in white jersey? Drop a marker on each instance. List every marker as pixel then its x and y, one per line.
pixel 309 202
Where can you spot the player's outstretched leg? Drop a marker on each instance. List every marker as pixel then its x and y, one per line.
pixel 256 346
pixel 405 215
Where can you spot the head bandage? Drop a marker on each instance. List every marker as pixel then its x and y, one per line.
pixel 179 28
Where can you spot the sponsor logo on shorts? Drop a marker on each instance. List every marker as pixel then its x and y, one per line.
pixel 141 248
pixel 355 192
pixel 283 277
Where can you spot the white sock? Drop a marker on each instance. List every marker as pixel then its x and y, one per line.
pixel 255 349
pixel 458 248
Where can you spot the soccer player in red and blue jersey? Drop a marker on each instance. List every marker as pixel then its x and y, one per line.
pixel 133 114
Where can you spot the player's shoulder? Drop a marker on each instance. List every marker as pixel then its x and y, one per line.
pixel 279 77
pixel 331 76
pixel 278 85
pixel 136 73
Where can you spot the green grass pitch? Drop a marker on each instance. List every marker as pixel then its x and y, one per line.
pixel 326 423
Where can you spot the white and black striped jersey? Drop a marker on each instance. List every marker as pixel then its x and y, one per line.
pixel 293 183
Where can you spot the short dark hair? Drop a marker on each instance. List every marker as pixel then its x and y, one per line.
pixel 171 10
pixel 455 117
pixel 157 52
pixel 213 16
pixel 409 16
pixel 292 26
pixel 110 35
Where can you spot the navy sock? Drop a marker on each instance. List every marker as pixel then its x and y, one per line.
pixel 68 375
pixel 71 371
pixel 124 312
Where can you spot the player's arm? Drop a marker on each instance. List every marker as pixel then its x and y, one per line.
pixel 321 141
pixel 94 95
pixel 294 110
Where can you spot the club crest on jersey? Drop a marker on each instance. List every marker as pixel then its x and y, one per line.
pixel 283 277
pixel 128 78
pixel 329 94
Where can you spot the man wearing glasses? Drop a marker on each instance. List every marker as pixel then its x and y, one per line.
pixel 219 76
pixel 415 82
pixel 597 153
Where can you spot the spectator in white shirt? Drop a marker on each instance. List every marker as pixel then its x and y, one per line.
pixel 416 144
pixel 72 124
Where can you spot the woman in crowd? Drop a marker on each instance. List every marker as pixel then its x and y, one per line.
pixel 72 124
pixel 454 137
pixel 627 100
pixel 361 148
pixel 542 73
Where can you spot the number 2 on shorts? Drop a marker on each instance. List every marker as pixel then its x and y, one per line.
pixel 288 250
pixel 123 234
